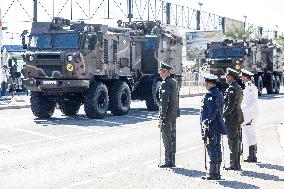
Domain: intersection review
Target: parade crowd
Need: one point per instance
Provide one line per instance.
(233, 113)
(10, 78)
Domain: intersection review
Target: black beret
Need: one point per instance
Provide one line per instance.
(165, 66)
(232, 72)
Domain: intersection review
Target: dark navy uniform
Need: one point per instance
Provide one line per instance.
(168, 115)
(233, 119)
(212, 118)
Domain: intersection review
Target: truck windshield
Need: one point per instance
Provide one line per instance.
(234, 52)
(217, 53)
(41, 41)
(66, 40)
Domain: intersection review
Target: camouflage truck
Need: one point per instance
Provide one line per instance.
(103, 68)
(261, 57)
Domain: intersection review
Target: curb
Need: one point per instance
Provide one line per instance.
(191, 95)
(5, 107)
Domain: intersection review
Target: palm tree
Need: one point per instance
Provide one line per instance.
(239, 33)
(280, 41)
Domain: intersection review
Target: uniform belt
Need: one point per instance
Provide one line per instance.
(249, 122)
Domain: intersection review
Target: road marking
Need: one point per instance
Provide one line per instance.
(104, 121)
(127, 168)
(135, 117)
(149, 162)
(81, 128)
(6, 147)
(189, 149)
(28, 142)
(37, 133)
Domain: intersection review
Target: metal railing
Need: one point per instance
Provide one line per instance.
(191, 84)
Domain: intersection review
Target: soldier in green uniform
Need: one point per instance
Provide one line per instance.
(233, 116)
(168, 114)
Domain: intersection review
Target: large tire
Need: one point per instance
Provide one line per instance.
(96, 101)
(69, 107)
(271, 84)
(153, 101)
(259, 85)
(41, 106)
(120, 98)
(277, 84)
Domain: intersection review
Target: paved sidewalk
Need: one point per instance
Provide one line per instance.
(14, 102)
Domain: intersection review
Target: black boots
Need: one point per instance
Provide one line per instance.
(167, 165)
(214, 172)
(169, 160)
(234, 166)
(252, 154)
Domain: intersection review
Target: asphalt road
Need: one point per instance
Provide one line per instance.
(123, 151)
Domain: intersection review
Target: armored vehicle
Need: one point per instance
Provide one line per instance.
(261, 57)
(103, 68)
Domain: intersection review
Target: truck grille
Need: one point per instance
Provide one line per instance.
(54, 71)
(48, 57)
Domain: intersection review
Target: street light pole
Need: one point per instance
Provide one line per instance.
(199, 60)
(0, 44)
(245, 23)
(200, 5)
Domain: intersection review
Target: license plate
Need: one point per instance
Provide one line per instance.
(49, 82)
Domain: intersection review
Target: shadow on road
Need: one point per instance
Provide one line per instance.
(225, 183)
(270, 166)
(134, 116)
(187, 172)
(236, 184)
(271, 96)
(262, 176)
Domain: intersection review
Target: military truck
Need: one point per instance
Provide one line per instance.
(103, 68)
(261, 57)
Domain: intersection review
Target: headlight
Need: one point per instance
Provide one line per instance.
(237, 66)
(69, 58)
(31, 58)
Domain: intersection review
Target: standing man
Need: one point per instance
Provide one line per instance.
(168, 114)
(158, 28)
(250, 110)
(119, 23)
(212, 125)
(5, 76)
(233, 116)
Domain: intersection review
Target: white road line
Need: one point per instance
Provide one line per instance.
(189, 149)
(127, 168)
(28, 142)
(81, 128)
(6, 147)
(37, 133)
(104, 121)
(149, 162)
(135, 117)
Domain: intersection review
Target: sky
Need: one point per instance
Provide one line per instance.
(259, 12)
